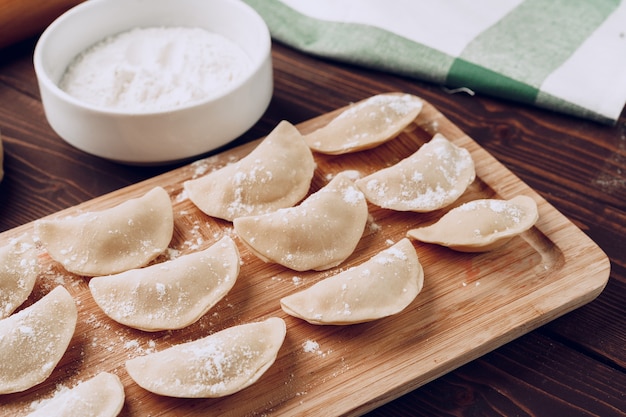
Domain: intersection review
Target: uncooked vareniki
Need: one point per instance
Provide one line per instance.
(366, 124)
(276, 174)
(433, 177)
(480, 225)
(382, 286)
(33, 340)
(101, 396)
(318, 234)
(19, 269)
(214, 366)
(169, 295)
(123, 237)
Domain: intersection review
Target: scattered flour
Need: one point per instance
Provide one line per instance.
(310, 346)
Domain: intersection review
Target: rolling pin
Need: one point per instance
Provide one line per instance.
(22, 19)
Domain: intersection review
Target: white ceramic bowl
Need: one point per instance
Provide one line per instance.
(149, 138)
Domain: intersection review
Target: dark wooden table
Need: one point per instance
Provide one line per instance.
(573, 366)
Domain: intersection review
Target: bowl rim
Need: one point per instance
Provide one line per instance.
(44, 77)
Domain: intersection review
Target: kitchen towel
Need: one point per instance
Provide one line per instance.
(564, 55)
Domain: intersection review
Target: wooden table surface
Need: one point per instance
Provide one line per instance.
(573, 366)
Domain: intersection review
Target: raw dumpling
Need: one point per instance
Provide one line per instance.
(318, 234)
(172, 294)
(480, 225)
(18, 272)
(101, 396)
(384, 285)
(276, 174)
(214, 366)
(33, 341)
(366, 124)
(432, 178)
(127, 236)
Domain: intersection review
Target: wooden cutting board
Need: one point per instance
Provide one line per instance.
(470, 304)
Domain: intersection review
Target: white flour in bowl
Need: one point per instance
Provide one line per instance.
(155, 69)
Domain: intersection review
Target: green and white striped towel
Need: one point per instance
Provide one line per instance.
(564, 55)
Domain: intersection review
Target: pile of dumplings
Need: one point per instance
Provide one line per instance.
(267, 197)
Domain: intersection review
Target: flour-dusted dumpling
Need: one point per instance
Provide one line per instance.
(123, 237)
(19, 269)
(214, 366)
(169, 295)
(33, 340)
(382, 286)
(276, 174)
(432, 178)
(101, 396)
(480, 225)
(366, 124)
(318, 234)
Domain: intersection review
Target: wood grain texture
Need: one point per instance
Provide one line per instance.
(506, 383)
(470, 305)
(21, 19)
(577, 166)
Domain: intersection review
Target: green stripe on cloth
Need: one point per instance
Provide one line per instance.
(472, 76)
(358, 44)
(513, 57)
(534, 53)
